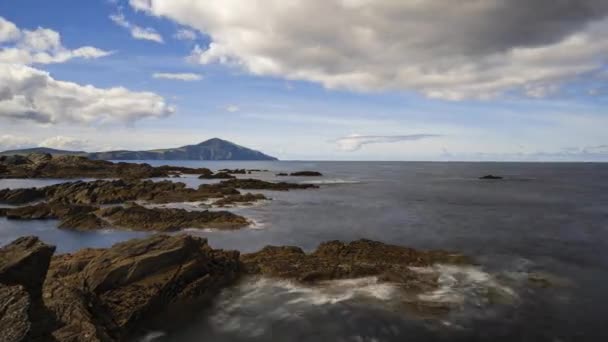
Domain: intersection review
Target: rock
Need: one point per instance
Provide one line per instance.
(282, 174)
(256, 184)
(337, 260)
(25, 262)
(21, 196)
(38, 165)
(219, 175)
(490, 177)
(23, 267)
(137, 217)
(146, 283)
(15, 321)
(234, 171)
(307, 173)
(247, 198)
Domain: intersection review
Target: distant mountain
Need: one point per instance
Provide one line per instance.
(53, 151)
(212, 149)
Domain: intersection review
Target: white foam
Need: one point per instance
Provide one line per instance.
(459, 284)
(152, 336)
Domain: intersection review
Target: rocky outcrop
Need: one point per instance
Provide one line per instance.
(39, 165)
(256, 184)
(23, 268)
(133, 217)
(246, 199)
(337, 260)
(136, 217)
(306, 174)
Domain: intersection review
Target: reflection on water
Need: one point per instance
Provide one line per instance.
(542, 219)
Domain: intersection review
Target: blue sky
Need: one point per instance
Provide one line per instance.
(336, 102)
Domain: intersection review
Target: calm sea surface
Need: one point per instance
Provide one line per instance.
(547, 220)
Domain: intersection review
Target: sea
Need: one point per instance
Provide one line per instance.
(539, 239)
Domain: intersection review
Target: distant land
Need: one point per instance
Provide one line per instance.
(212, 149)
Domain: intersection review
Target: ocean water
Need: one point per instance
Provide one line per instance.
(544, 220)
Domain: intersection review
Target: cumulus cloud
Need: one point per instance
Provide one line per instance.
(355, 142)
(443, 49)
(42, 46)
(178, 76)
(10, 142)
(185, 34)
(137, 32)
(64, 143)
(31, 94)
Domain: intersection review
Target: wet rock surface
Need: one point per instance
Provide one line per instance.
(39, 165)
(111, 294)
(132, 216)
(491, 177)
(337, 260)
(256, 184)
(245, 199)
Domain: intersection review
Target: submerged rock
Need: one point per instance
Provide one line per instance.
(490, 177)
(256, 184)
(246, 199)
(306, 173)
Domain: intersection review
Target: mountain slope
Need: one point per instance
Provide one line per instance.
(212, 149)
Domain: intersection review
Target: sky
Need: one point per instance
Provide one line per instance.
(497, 80)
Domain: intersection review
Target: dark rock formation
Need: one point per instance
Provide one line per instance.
(234, 171)
(337, 260)
(282, 174)
(23, 268)
(137, 217)
(73, 166)
(246, 199)
(256, 184)
(133, 216)
(490, 177)
(306, 173)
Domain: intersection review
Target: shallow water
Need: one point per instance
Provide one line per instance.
(543, 218)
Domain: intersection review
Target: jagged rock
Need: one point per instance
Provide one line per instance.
(282, 174)
(117, 292)
(137, 217)
(23, 268)
(247, 198)
(307, 173)
(21, 196)
(337, 260)
(40, 165)
(234, 171)
(256, 184)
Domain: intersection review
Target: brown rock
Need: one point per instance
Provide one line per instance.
(306, 174)
(256, 184)
(247, 198)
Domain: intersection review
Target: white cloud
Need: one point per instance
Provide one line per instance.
(185, 34)
(42, 46)
(31, 94)
(11, 142)
(472, 49)
(137, 32)
(232, 108)
(354, 142)
(65, 143)
(178, 76)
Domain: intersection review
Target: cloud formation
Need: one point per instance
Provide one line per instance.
(39, 46)
(137, 32)
(443, 49)
(64, 143)
(177, 76)
(33, 95)
(354, 142)
(232, 108)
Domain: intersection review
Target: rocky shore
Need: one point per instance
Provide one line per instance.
(39, 165)
(121, 292)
